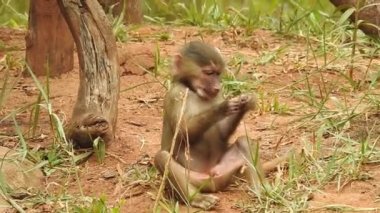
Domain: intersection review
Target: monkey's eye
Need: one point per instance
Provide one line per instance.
(208, 71)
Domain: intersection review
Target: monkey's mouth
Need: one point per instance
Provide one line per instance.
(205, 95)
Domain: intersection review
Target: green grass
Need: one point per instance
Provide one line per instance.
(13, 13)
(332, 92)
(97, 206)
(325, 110)
(8, 63)
(59, 157)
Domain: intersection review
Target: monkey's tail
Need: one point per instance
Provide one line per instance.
(272, 165)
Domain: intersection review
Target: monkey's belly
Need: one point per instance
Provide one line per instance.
(200, 161)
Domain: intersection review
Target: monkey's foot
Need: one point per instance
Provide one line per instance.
(204, 201)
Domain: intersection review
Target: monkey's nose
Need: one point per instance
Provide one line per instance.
(215, 90)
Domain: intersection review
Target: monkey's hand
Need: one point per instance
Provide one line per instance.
(241, 103)
(248, 102)
(234, 105)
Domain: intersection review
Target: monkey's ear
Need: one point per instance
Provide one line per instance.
(177, 63)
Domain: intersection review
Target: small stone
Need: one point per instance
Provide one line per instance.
(19, 174)
(108, 174)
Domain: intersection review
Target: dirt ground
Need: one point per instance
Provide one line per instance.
(140, 114)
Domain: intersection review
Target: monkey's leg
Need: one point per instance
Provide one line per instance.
(238, 155)
(227, 167)
(188, 184)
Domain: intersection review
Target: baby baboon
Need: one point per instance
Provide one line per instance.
(203, 160)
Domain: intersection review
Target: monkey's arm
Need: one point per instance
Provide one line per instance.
(196, 125)
(228, 125)
(197, 118)
(192, 126)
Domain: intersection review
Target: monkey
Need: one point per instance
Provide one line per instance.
(203, 161)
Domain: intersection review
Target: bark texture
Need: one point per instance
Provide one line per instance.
(133, 12)
(95, 111)
(49, 44)
(370, 14)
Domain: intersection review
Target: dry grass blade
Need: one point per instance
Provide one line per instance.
(166, 171)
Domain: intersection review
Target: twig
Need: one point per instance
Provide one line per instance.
(116, 157)
(12, 202)
(128, 194)
(166, 171)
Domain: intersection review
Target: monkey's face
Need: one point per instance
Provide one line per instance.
(207, 84)
(199, 67)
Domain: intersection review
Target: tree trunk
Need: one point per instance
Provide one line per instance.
(95, 111)
(133, 12)
(133, 9)
(49, 44)
(370, 14)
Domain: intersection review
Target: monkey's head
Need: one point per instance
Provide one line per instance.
(198, 66)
